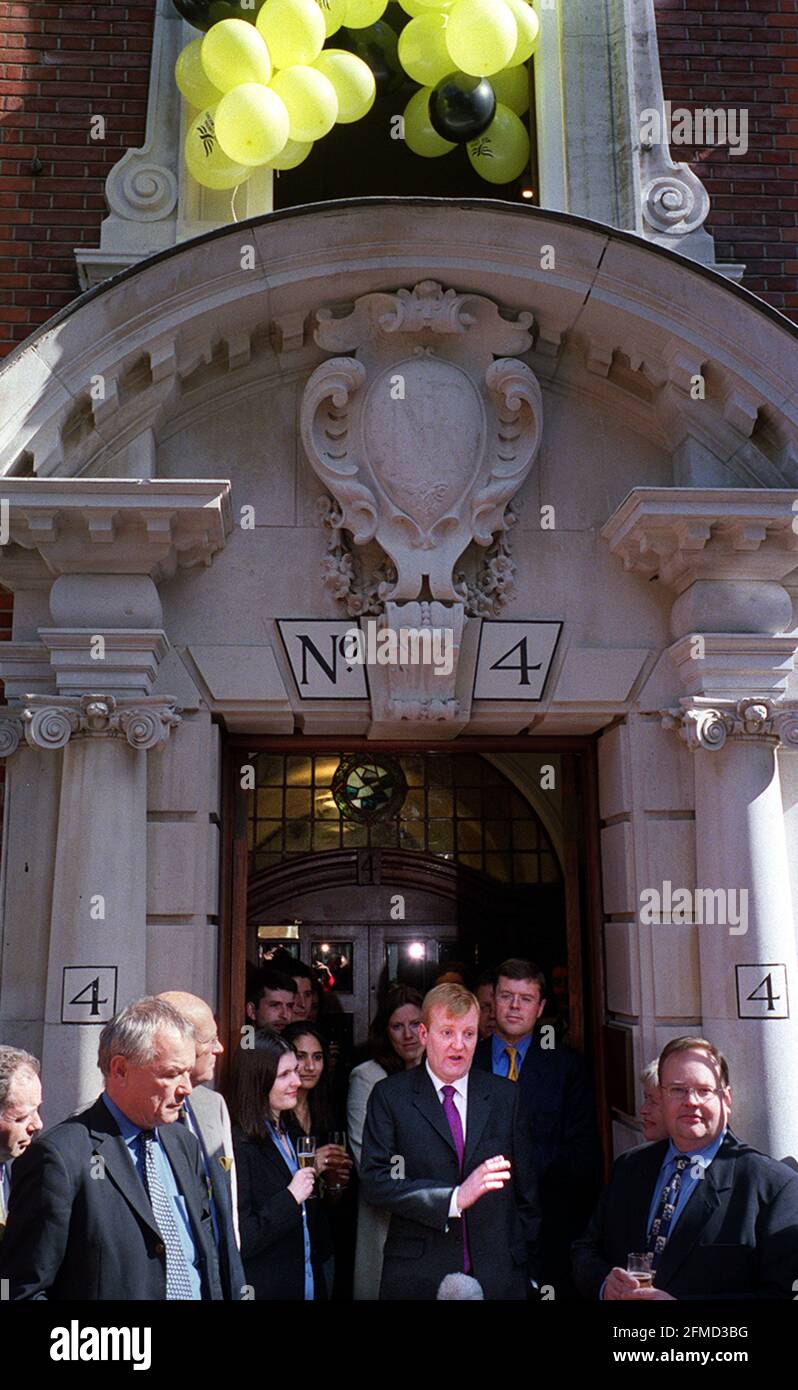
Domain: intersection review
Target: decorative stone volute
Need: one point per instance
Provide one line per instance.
(422, 437)
(50, 721)
(708, 724)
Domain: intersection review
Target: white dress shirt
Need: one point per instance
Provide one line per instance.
(460, 1099)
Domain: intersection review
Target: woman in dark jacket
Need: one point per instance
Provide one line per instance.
(285, 1239)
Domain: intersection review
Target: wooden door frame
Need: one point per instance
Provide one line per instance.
(582, 878)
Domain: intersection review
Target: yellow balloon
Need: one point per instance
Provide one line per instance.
(310, 100)
(419, 134)
(291, 155)
(501, 153)
(251, 124)
(205, 158)
(512, 88)
(422, 49)
(353, 81)
(294, 31)
(415, 8)
(361, 13)
(191, 80)
(528, 26)
(481, 36)
(333, 12)
(234, 52)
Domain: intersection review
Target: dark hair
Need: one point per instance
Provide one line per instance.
(453, 967)
(254, 1073)
(298, 970)
(379, 1038)
(488, 977)
(516, 969)
(320, 1104)
(268, 978)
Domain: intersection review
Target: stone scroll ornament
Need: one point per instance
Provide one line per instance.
(145, 722)
(425, 435)
(708, 724)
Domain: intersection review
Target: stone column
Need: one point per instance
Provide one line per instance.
(749, 967)
(725, 554)
(97, 954)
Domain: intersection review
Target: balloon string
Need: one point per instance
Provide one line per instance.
(233, 203)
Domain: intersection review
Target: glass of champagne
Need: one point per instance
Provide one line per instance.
(640, 1266)
(306, 1151)
(332, 1176)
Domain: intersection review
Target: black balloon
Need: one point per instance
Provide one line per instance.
(377, 46)
(203, 13)
(461, 107)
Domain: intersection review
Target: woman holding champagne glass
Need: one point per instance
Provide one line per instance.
(285, 1239)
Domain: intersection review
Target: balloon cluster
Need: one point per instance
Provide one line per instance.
(266, 87)
(265, 92)
(480, 103)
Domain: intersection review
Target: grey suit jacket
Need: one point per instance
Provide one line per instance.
(213, 1120)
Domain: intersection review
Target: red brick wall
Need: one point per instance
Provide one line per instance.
(60, 64)
(743, 53)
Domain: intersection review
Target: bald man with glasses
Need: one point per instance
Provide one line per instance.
(717, 1219)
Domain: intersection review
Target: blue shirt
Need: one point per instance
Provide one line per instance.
(130, 1133)
(692, 1175)
(500, 1062)
(292, 1164)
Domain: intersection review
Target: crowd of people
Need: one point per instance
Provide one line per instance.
(459, 1160)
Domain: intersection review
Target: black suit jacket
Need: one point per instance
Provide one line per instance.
(737, 1238)
(231, 1270)
(409, 1167)
(554, 1088)
(270, 1222)
(80, 1223)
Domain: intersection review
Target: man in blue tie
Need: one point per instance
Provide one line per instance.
(716, 1218)
(113, 1203)
(20, 1098)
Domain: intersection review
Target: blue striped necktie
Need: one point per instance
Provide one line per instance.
(178, 1283)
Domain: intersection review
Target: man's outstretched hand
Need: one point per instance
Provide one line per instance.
(490, 1176)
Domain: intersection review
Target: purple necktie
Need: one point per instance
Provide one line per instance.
(456, 1126)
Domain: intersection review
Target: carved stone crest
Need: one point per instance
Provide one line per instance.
(422, 437)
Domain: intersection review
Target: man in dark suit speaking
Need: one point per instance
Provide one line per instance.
(718, 1219)
(446, 1152)
(112, 1203)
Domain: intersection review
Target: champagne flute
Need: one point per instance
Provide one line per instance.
(331, 1177)
(306, 1151)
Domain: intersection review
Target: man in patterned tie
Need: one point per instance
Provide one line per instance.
(113, 1203)
(447, 1152)
(20, 1098)
(718, 1219)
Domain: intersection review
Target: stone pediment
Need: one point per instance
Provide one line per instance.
(426, 433)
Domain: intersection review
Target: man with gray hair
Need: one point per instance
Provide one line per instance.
(112, 1203)
(20, 1098)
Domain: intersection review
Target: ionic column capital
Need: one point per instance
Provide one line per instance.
(51, 721)
(709, 723)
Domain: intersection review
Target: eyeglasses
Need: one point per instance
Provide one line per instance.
(683, 1093)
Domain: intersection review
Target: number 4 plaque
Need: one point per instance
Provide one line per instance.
(762, 991)
(88, 993)
(514, 659)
